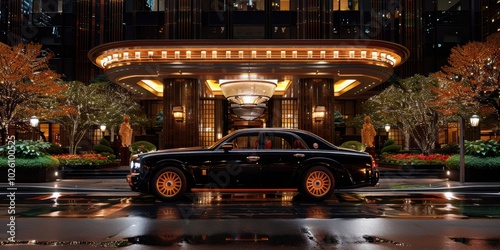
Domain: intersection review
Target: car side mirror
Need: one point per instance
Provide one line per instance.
(227, 146)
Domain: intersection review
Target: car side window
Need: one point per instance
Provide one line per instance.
(278, 141)
(246, 142)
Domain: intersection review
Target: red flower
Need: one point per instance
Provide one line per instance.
(417, 159)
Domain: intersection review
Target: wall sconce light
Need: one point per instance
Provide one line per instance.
(319, 113)
(178, 112)
(474, 120)
(387, 127)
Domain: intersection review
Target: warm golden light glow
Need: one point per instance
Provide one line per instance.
(248, 91)
(178, 113)
(281, 87)
(153, 86)
(342, 86)
(122, 62)
(318, 113)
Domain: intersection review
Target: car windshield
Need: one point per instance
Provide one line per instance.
(216, 144)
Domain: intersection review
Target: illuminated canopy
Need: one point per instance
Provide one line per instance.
(355, 65)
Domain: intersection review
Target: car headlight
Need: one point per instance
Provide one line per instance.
(135, 162)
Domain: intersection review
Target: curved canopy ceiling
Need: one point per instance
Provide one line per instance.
(355, 65)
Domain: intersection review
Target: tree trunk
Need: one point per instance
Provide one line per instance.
(3, 134)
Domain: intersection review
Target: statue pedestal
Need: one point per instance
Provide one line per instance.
(125, 156)
(371, 151)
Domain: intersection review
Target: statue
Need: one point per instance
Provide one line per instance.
(368, 133)
(126, 132)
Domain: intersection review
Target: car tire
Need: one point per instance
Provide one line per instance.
(169, 184)
(318, 183)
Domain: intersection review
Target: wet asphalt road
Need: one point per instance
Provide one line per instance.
(374, 220)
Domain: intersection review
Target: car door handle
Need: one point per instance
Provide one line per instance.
(253, 158)
(299, 155)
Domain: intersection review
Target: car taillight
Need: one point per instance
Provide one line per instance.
(374, 164)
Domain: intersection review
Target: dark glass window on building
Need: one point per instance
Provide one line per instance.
(248, 5)
(145, 5)
(43, 6)
(283, 5)
(345, 5)
(451, 5)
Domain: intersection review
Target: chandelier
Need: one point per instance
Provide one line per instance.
(248, 93)
(248, 113)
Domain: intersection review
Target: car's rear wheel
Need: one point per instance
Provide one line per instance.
(169, 184)
(318, 183)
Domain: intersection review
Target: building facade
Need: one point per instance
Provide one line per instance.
(71, 29)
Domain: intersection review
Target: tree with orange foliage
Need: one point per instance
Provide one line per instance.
(471, 81)
(26, 83)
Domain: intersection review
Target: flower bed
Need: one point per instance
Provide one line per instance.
(416, 159)
(86, 160)
(414, 165)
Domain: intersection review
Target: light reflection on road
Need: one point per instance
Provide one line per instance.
(265, 221)
(286, 205)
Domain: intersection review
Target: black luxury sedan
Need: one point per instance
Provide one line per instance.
(254, 160)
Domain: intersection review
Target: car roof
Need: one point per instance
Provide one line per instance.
(273, 129)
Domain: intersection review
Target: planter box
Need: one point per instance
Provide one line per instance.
(32, 175)
(395, 170)
(81, 167)
(476, 175)
(110, 170)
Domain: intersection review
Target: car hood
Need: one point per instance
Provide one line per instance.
(173, 150)
(351, 150)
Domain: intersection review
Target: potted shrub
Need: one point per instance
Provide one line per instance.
(482, 162)
(29, 160)
(142, 147)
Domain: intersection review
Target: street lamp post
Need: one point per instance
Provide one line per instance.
(103, 128)
(34, 123)
(462, 145)
(474, 122)
(387, 128)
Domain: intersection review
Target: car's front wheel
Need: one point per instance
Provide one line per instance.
(169, 184)
(318, 183)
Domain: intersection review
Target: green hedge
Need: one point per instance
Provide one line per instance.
(45, 161)
(388, 142)
(142, 147)
(448, 149)
(101, 148)
(474, 162)
(55, 149)
(391, 149)
(104, 142)
(356, 145)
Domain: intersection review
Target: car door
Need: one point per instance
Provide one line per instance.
(238, 167)
(281, 161)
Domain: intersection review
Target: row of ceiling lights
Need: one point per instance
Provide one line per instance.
(282, 54)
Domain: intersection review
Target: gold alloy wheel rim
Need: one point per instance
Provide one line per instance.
(169, 184)
(318, 183)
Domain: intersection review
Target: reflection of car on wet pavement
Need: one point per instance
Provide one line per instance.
(254, 160)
